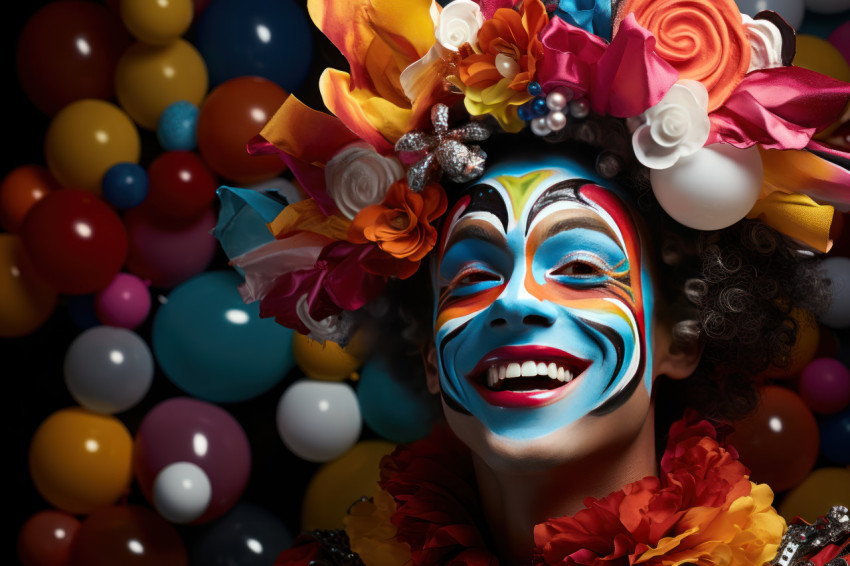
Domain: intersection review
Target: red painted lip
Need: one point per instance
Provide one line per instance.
(525, 399)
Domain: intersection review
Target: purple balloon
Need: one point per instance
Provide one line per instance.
(183, 429)
(840, 38)
(125, 302)
(825, 385)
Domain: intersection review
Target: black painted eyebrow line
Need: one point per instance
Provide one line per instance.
(580, 222)
(563, 190)
(474, 231)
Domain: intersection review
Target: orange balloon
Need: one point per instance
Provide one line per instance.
(80, 460)
(26, 300)
(804, 349)
(233, 113)
(779, 441)
(21, 188)
(149, 78)
(85, 139)
(814, 497)
(327, 362)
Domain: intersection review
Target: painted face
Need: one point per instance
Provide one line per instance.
(544, 302)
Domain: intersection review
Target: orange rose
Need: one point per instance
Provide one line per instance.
(401, 224)
(704, 40)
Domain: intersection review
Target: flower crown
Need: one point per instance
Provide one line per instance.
(707, 95)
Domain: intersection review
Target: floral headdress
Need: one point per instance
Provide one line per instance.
(697, 86)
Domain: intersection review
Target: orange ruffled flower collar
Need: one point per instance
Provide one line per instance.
(702, 509)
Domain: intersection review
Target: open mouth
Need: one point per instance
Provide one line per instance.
(525, 375)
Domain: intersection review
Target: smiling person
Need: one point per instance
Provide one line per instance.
(588, 230)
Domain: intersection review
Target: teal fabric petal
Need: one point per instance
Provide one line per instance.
(590, 15)
(243, 216)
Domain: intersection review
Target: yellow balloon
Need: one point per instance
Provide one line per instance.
(157, 22)
(149, 78)
(816, 494)
(80, 460)
(85, 139)
(817, 54)
(26, 300)
(328, 361)
(338, 484)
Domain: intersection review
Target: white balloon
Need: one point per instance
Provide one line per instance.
(319, 420)
(182, 492)
(711, 189)
(837, 269)
(827, 6)
(108, 369)
(792, 11)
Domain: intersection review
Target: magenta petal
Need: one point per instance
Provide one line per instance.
(569, 56)
(347, 283)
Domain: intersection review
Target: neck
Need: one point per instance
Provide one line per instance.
(516, 500)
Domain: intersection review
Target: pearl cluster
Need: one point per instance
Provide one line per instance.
(547, 114)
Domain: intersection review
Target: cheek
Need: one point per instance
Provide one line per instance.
(450, 308)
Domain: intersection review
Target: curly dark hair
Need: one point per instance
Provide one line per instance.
(738, 295)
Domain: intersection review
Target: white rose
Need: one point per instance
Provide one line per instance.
(676, 127)
(334, 328)
(358, 176)
(765, 43)
(459, 23)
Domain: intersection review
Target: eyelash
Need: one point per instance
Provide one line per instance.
(591, 270)
(473, 275)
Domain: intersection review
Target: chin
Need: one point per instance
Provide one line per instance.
(588, 439)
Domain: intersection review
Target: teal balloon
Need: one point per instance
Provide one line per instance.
(215, 347)
(391, 408)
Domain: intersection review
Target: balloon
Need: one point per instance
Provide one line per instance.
(181, 429)
(247, 535)
(837, 269)
(157, 23)
(792, 11)
(803, 349)
(835, 437)
(125, 185)
(75, 241)
(125, 302)
(816, 495)
(129, 534)
(337, 485)
(212, 345)
(80, 460)
(825, 385)
(780, 423)
(21, 188)
(318, 421)
(327, 361)
(266, 38)
(45, 538)
(167, 255)
(827, 6)
(392, 409)
(711, 189)
(182, 492)
(233, 113)
(840, 39)
(177, 127)
(108, 369)
(68, 51)
(26, 299)
(181, 185)
(817, 54)
(85, 139)
(150, 77)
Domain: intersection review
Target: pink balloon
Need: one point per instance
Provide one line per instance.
(167, 254)
(126, 302)
(840, 38)
(825, 385)
(183, 429)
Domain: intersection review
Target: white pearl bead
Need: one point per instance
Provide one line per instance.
(556, 101)
(539, 127)
(507, 66)
(580, 108)
(556, 121)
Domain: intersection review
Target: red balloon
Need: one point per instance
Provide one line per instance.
(180, 185)
(46, 537)
(780, 441)
(68, 50)
(130, 535)
(22, 187)
(75, 241)
(233, 113)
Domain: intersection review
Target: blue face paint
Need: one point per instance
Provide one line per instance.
(544, 302)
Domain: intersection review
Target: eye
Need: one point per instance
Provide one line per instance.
(471, 278)
(579, 268)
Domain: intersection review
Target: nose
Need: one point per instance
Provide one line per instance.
(514, 312)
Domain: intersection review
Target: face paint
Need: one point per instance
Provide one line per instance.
(543, 301)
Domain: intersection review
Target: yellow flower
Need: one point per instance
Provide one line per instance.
(372, 534)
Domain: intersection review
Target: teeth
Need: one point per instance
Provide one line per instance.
(530, 368)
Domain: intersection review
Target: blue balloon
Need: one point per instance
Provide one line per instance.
(125, 185)
(177, 128)
(213, 346)
(265, 38)
(835, 437)
(390, 407)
